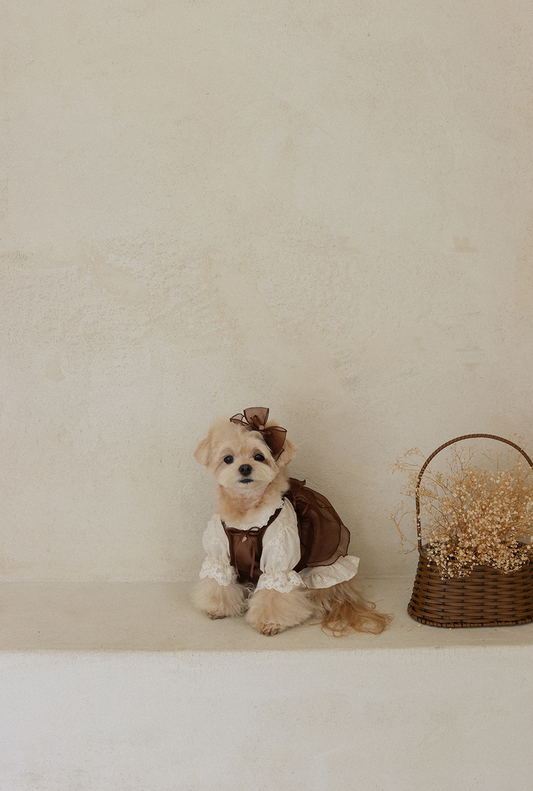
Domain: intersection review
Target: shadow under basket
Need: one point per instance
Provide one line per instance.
(486, 597)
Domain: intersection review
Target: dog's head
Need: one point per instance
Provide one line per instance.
(240, 458)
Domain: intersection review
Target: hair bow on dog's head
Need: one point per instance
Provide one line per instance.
(254, 419)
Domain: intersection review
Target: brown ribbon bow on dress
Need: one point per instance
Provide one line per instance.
(255, 419)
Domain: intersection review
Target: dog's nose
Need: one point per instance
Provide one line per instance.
(245, 470)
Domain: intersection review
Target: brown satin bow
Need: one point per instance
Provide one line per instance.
(254, 419)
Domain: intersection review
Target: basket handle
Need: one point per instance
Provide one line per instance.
(451, 442)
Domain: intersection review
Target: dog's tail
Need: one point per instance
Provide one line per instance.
(344, 610)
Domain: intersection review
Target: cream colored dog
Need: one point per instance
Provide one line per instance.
(249, 456)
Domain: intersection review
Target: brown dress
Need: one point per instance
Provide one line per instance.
(323, 536)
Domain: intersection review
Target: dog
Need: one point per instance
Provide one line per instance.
(253, 544)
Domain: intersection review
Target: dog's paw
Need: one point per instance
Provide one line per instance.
(219, 601)
(271, 612)
(271, 629)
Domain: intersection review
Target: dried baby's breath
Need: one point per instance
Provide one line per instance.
(471, 515)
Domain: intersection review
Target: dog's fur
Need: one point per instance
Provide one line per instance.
(340, 608)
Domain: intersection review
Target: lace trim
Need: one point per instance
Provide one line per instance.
(282, 581)
(221, 572)
(277, 548)
(248, 525)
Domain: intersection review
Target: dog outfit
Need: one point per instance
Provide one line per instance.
(285, 550)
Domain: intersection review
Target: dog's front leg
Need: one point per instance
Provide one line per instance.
(270, 611)
(219, 601)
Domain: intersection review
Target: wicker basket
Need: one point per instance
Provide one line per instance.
(487, 597)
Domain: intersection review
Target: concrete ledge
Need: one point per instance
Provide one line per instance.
(124, 687)
(158, 616)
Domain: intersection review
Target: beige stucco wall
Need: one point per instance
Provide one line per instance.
(322, 207)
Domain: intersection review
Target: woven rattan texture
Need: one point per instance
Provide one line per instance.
(487, 597)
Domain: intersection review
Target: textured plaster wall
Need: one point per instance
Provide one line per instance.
(321, 206)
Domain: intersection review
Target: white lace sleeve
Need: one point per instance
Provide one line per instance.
(217, 563)
(281, 552)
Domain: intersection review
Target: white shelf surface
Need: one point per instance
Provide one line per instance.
(119, 686)
(158, 616)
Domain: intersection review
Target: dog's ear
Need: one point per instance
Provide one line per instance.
(203, 451)
(289, 452)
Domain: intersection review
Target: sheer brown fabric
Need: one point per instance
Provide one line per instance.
(323, 536)
(255, 419)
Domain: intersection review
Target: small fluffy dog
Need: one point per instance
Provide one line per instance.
(257, 564)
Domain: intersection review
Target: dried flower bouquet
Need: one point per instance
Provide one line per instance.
(470, 515)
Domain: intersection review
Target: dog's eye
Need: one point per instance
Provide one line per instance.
(259, 457)
(228, 459)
